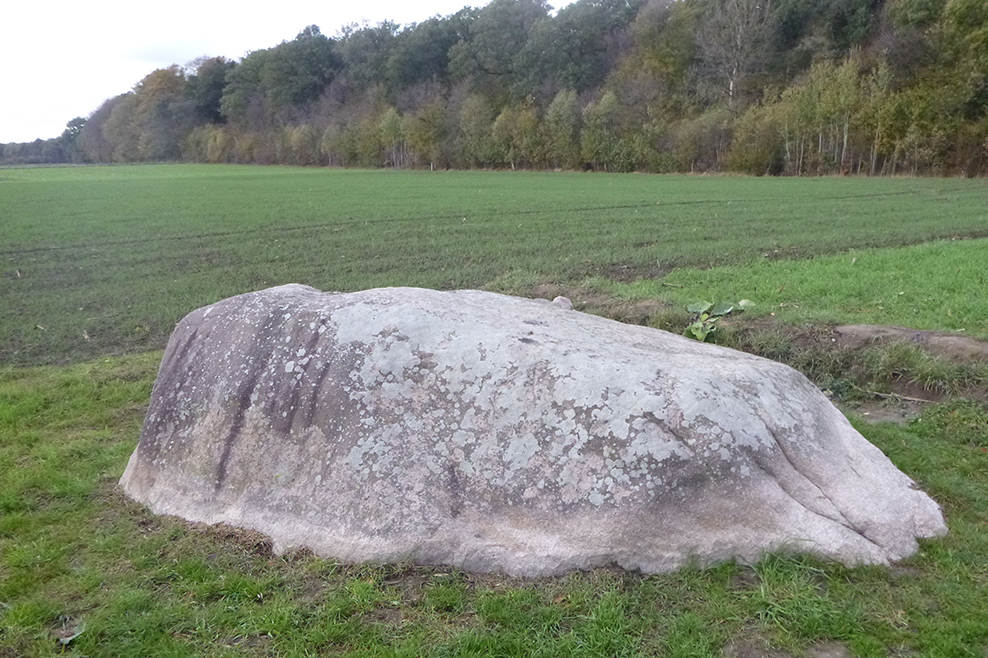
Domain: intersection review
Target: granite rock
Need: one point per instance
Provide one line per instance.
(494, 433)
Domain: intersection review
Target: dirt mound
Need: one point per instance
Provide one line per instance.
(886, 385)
(952, 347)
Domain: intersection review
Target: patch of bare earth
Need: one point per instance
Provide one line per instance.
(890, 410)
(754, 646)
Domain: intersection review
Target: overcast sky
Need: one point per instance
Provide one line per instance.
(60, 60)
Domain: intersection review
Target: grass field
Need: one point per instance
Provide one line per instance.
(98, 264)
(76, 556)
(936, 285)
(104, 260)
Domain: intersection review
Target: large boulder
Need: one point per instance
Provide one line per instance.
(494, 433)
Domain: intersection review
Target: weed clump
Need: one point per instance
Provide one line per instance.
(907, 362)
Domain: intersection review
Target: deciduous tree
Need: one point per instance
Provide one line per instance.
(204, 87)
(735, 43)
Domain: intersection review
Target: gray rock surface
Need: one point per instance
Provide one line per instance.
(502, 434)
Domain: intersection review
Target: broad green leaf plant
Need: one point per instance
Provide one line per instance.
(707, 314)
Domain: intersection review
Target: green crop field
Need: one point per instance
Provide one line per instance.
(101, 260)
(98, 263)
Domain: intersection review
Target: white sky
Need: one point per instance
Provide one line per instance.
(60, 60)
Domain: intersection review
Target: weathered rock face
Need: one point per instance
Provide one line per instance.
(503, 434)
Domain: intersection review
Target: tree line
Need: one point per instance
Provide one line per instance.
(795, 87)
